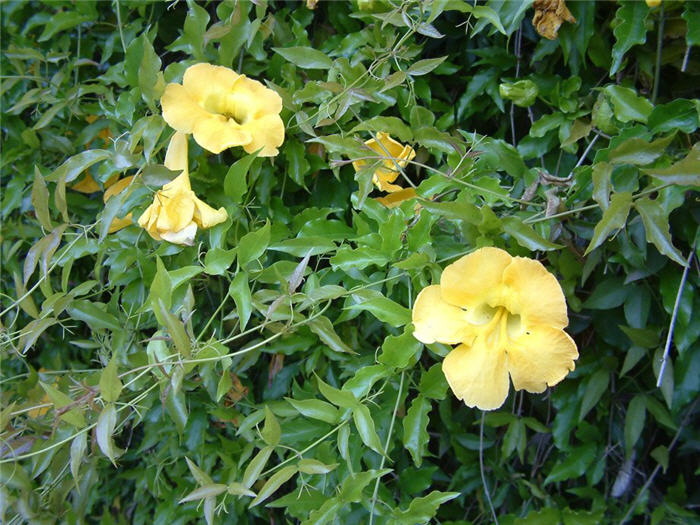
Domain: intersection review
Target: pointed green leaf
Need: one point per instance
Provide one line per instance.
(415, 429)
(614, 218)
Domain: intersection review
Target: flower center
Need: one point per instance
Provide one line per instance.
(496, 326)
(232, 107)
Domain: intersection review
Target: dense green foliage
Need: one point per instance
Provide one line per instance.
(268, 373)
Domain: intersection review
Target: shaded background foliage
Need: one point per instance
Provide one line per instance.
(146, 382)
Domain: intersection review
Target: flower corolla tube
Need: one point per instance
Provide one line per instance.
(176, 212)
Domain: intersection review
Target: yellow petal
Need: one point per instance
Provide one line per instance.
(267, 133)
(207, 83)
(176, 212)
(206, 216)
(216, 133)
(176, 155)
(250, 99)
(148, 220)
(475, 278)
(180, 109)
(437, 321)
(392, 200)
(534, 293)
(541, 356)
(184, 236)
(477, 375)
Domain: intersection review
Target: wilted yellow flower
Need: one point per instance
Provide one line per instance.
(392, 200)
(223, 109)
(176, 211)
(507, 315)
(394, 153)
(88, 184)
(116, 189)
(549, 16)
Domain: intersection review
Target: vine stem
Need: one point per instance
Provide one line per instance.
(659, 47)
(481, 467)
(386, 449)
(674, 314)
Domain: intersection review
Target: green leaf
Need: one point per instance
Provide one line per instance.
(609, 293)
(522, 93)
(93, 315)
(361, 383)
(224, 385)
(316, 409)
(40, 200)
(201, 477)
(104, 430)
(252, 245)
(271, 432)
(77, 452)
(74, 416)
(297, 165)
(77, 164)
(313, 466)
(237, 489)
(62, 21)
(657, 229)
(680, 114)
(386, 310)
(271, 485)
(365, 427)
(175, 328)
(602, 171)
(150, 77)
(630, 30)
(400, 351)
(433, 384)
(305, 57)
(347, 258)
(240, 291)
(691, 15)
(256, 466)
(339, 398)
(392, 125)
(211, 490)
(415, 429)
(217, 260)
(634, 422)
(627, 105)
(614, 218)
(685, 172)
(423, 509)
(323, 328)
(325, 513)
(574, 465)
(352, 487)
(638, 151)
(235, 185)
(110, 384)
(595, 388)
(423, 67)
(526, 236)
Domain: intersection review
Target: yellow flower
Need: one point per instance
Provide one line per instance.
(223, 109)
(653, 3)
(549, 16)
(394, 153)
(116, 189)
(176, 211)
(507, 315)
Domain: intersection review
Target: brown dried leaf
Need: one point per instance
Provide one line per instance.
(549, 15)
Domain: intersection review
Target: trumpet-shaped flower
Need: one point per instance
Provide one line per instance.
(176, 211)
(223, 109)
(507, 315)
(392, 154)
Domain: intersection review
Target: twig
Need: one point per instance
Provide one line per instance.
(658, 467)
(672, 325)
(481, 468)
(386, 450)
